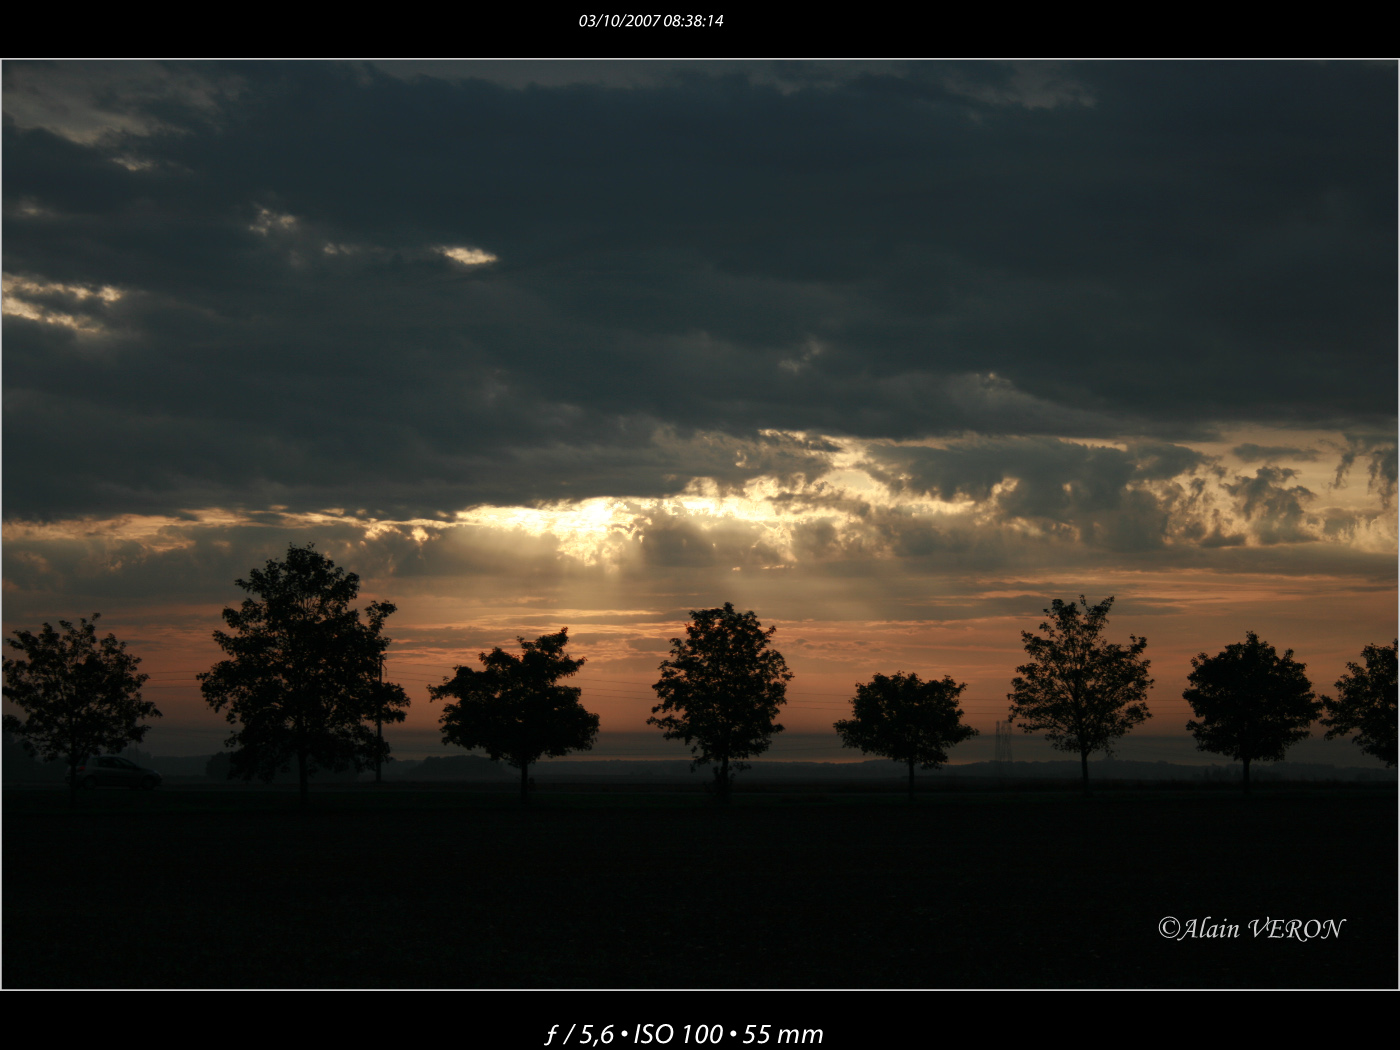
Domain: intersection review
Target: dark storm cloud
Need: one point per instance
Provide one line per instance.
(1250, 452)
(1379, 454)
(1275, 510)
(671, 264)
(1100, 492)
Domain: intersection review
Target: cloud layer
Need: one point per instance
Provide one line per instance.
(319, 285)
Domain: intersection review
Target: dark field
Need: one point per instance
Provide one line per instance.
(802, 887)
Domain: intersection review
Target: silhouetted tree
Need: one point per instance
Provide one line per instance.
(906, 719)
(82, 694)
(387, 701)
(1081, 691)
(1366, 703)
(514, 709)
(1249, 702)
(302, 669)
(723, 685)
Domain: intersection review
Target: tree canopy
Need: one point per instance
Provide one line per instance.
(1081, 691)
(301, 678)
(1250, 703)
(81, 693)
(1365, 703)
(907, 720)
(721, 689)
(514, 709)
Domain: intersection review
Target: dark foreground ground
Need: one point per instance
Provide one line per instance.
(802, 888)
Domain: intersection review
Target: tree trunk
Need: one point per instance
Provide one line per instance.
(72, 780)
(724, 781)
(301, 775)
(379, 724)
(379, 749)
(1084, 768)
(1246, 776)
(911, 780)
(524, 782)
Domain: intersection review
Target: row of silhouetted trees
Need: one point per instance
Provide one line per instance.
(303, 686)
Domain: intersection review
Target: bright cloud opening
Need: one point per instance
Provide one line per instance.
(467, 256)
(269, 222)
(38, 300)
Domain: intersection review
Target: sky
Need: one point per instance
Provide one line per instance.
(891, 353)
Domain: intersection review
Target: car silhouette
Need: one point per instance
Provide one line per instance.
(115, 771)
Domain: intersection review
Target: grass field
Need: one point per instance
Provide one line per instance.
(797, 888)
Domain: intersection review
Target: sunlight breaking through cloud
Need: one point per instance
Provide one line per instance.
(467, 256)
(40, 300)
(917, 503)
(269, 222)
